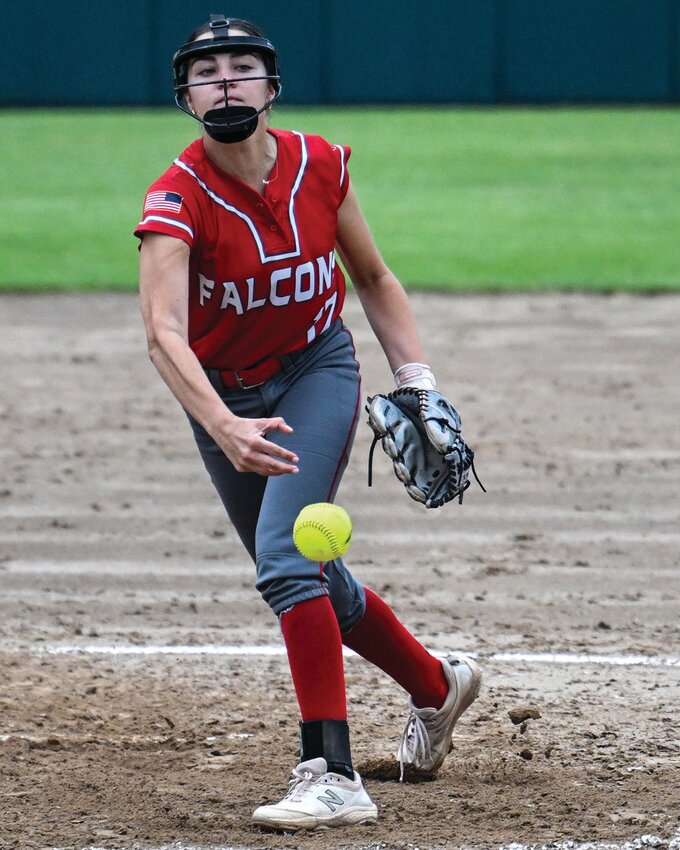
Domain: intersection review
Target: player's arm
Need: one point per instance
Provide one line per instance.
(382, 296)
(164, 276)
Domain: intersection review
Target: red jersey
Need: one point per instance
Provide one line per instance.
(263, 280)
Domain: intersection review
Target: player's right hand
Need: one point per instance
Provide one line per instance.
(245, 443)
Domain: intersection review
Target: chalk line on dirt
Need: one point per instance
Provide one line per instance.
(268, 650)
(642, 842)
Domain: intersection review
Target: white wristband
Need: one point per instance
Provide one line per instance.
(417, 375)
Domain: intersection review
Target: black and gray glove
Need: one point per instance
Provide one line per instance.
(420, 431)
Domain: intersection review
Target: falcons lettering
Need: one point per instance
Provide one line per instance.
(293, 283)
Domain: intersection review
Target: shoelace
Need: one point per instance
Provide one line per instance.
(415, 740)
(300, 782)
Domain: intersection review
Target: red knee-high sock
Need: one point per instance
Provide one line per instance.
(314, 645)
(380, 638)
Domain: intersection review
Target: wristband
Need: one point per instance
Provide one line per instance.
(417, 375)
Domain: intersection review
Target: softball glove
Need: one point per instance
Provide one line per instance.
(420, 431)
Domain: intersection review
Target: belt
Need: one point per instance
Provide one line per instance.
(251, 376)
(259, 373)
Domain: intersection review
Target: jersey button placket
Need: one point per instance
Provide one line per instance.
(276, 240)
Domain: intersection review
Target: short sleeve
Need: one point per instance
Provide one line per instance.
(167, 209)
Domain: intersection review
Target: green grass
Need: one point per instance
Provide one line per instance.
(457, 198)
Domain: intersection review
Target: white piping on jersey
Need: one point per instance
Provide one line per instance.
(264, 258)
(167, 221)
(342, 163)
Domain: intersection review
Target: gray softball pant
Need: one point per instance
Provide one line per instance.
(319, 396)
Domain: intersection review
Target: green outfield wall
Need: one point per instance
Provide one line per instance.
(78, 53)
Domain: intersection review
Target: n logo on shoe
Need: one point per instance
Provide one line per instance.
(331, 799)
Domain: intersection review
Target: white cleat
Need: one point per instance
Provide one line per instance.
(427, 736)
(317, 799)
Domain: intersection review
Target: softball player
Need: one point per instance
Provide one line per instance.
(242, 297)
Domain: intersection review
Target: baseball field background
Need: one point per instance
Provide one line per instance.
(459, 199)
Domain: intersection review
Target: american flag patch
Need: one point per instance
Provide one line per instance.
(167, 201)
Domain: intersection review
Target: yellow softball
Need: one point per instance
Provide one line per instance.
(322, 531)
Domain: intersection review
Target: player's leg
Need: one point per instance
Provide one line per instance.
(325, 790)
(439, 690)
(285, 577)
(382, 639)
(320, 400)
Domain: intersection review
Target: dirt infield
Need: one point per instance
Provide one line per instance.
(110, 535)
